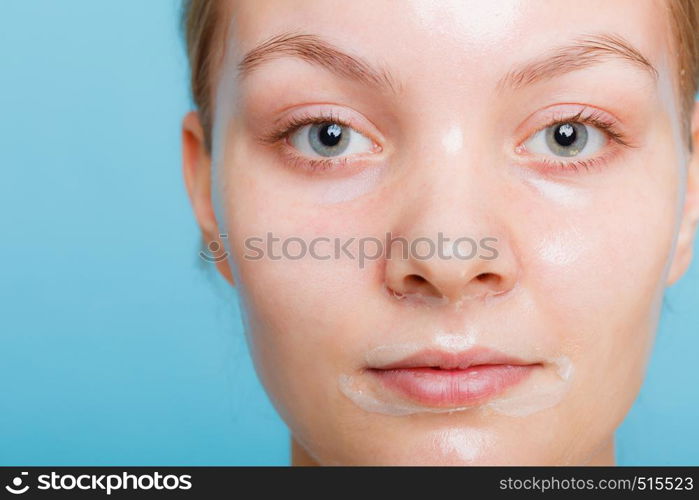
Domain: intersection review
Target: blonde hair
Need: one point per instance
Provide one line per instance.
(204, 32)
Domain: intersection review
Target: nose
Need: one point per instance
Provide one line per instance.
(452, 248)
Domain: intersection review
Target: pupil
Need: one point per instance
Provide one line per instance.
(330, 134)
(565, 135)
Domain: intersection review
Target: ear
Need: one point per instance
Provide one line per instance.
(690, 215)
(196, 166)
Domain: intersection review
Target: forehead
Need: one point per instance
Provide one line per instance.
(459, 34)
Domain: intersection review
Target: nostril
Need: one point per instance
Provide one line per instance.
(488, 278)
(419, 285)
(414, 279)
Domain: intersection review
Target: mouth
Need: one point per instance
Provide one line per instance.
(452, 379)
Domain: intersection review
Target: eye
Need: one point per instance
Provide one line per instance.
(329, 139)
(567, 139)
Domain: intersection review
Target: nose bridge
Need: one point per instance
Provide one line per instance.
(456, 185)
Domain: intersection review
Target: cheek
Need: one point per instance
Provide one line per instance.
(610, 257)
(304, 266)
(597, 271)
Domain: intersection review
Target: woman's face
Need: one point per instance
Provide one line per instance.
(531, 156)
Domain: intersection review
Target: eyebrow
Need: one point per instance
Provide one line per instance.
(585, 51)
(315, 50)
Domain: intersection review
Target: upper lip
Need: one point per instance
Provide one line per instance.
(448, 360)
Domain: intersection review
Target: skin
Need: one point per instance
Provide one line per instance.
(583, 255)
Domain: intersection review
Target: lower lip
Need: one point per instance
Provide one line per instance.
(457, 387)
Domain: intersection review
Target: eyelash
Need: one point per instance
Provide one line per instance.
(596, 119)
(313, 165)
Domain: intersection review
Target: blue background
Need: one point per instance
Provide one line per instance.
(116, 345)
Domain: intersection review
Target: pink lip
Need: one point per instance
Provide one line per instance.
(443, 379)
